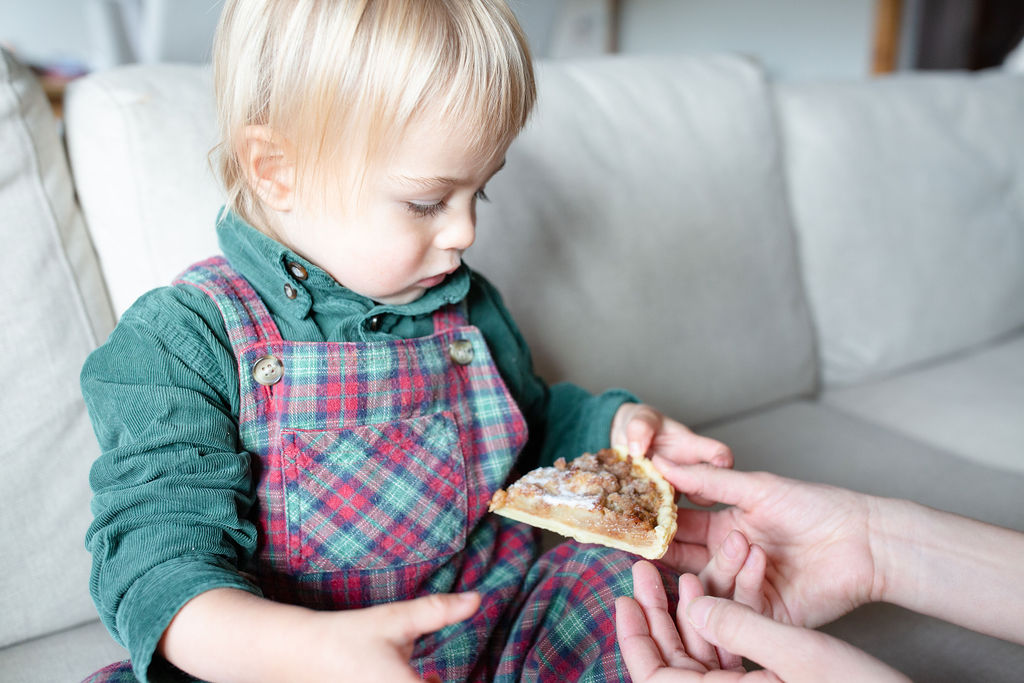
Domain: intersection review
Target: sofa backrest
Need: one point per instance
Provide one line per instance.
(138, 139)
(641, 237)
(639, 231)
(53, 311)
(908, 200)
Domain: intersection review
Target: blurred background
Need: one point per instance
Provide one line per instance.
(794, 39)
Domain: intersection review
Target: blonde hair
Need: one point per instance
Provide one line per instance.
(341, 79)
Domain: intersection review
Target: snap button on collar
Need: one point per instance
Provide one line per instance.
(290, 291)
(297, 270)
(461, 351)
(268, 370)
(374, 323)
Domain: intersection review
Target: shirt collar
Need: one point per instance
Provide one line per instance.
(276, 273)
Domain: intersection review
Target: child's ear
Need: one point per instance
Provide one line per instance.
(269, 161)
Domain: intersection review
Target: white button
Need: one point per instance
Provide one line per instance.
(461, 351)
(268, 370)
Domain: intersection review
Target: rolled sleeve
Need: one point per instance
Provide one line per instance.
(171, 488)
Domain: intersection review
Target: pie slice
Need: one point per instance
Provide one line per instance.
(608, 498)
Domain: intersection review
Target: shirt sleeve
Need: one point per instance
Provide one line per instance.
(171, 488)
(564, 419)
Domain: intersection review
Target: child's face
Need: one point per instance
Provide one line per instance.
(415, 215)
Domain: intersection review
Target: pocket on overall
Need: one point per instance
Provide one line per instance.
(375, 496)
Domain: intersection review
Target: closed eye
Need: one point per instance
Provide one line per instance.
(481, 195)
(426, 210)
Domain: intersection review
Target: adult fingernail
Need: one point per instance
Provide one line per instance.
(698, 610)
(471, 596)
(732, 545)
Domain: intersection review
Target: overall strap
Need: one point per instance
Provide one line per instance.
(245, 315)
(451, 316)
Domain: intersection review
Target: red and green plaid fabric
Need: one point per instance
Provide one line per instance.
(376, 462)
(376, 459)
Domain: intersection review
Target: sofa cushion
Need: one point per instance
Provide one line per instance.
(815, 442)
(908, 199)
(971, 405)
(138, 139)
(53, 312)
(69, 655)
(640, 235)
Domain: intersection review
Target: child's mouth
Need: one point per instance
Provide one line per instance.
(432, 281)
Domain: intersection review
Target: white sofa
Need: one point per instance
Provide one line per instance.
(829, 277)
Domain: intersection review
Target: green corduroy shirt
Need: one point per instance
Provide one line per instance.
(173, 486)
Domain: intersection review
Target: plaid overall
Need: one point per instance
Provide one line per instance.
(375, 465)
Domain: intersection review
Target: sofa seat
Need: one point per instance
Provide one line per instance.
(816, 441)
(971, 404)
(68, 655)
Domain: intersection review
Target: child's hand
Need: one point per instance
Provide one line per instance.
(227, 634)
(376, 643)
(640, 429)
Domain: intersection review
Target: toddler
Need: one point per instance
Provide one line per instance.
(300, 437)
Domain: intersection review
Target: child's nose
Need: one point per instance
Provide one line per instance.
(459, 232)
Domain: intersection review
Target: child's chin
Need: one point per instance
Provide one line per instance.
(406, 297)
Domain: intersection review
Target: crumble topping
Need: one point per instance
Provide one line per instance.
(600, 481)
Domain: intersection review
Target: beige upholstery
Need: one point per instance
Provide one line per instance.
(656, 228)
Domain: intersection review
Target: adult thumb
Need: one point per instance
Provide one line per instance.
(412, 618)
(794, 654)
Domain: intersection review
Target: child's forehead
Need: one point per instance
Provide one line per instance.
(435, 145)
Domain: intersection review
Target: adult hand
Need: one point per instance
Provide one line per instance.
(816, 540)
(658, 649)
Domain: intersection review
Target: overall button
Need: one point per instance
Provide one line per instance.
(290, 291)
(461, 351)
(297, 270)
(268, 370)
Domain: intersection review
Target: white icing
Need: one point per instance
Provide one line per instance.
(544, 476)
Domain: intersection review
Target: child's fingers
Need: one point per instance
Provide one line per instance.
(699, 649)
(643, 424)
(719, 576)
(409, 619)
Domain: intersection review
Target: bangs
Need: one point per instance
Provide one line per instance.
(342, 81)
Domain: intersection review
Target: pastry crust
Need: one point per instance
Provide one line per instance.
(607, 498)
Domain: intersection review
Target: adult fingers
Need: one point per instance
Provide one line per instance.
(795, 654)
(692, 526)
(409, 619)
(750, 586)
(721, 485)
(700, 649)
(719, 575)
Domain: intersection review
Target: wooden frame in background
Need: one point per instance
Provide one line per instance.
(886, 47)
